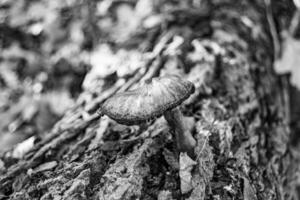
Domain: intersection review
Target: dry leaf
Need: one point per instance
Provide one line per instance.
(165, 195)
(249, 192)
(185, 172)
(297, 4)
(290, 60)
(22, 148)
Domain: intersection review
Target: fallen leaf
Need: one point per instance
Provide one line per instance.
(297, 3)
(165, 195)
(22, 148)
(249, 192)
(290, 60)
(186, 167)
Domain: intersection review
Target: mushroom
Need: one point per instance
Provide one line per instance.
(156, 97)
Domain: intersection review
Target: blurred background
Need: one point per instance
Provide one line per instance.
(52, 51)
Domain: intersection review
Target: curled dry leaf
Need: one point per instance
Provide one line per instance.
(185, 172)
(290, 60)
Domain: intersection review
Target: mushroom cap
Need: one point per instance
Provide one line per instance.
(149, 101)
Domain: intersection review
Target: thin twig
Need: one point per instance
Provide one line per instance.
(294, 23)
(273, 30)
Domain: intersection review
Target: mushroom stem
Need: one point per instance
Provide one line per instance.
(184, 140)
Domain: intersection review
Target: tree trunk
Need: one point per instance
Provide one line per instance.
(239, 109)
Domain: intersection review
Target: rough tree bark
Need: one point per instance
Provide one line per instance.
(239, 109)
